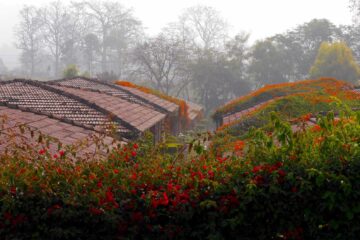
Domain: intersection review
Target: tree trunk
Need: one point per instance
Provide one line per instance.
(103, 52)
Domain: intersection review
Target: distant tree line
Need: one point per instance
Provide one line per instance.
(194, 57)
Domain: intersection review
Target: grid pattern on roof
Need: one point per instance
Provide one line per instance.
(129, 94)
(64, 132)
(138, 116)
(35, 98)
(88, 84)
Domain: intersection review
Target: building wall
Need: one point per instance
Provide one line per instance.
(157, 130)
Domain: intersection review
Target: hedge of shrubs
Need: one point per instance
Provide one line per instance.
(275, 185)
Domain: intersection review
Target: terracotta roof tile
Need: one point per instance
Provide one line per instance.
(63, 132)
(169, 106)
(36, 98)
(132, 113)
(194, 110)
(96, 85)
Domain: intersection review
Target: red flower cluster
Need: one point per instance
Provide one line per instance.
(239, 145)
(269, 168)
(316, 128)
(42, 151)
(159, 200)
(228, 202)
(262, 171)
(95, 211)
(108, 201)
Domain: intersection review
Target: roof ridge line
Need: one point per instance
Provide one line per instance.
(79, 99)
(128, 92)
(111, 85)
(88, 89)
(91, 105)
(99, 92)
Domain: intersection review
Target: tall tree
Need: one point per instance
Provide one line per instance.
(107, 16)
(309, 37)
(162, 61)
(205, 25)
(350, 34)
(212, 80)
(268, 63)
(3, 68)
(237, 54)
(121, 41)
(57, 29)
(203, 32)
(355, 8)
(335, 60)
(29, 37)
(90, 46)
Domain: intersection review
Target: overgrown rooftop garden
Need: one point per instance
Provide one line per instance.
(290, 101)
(323, 87)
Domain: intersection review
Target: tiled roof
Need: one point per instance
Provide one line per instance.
(140, 117)
(42, 99)
(169, 106)
(129, 94)
(194, 110)
(238, 115)
(64, 132)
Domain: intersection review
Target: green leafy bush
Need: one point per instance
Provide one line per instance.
(276, 184)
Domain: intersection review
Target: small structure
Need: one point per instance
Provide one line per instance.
(235, 111)
(73, 109)
(66, 133)
(195, 114)
(140, 115)
(171, 107)
(37, 103)
(182, 115)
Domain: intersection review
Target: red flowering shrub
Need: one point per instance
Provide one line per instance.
(281, 186)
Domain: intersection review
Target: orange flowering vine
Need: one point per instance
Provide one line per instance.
(183, 107)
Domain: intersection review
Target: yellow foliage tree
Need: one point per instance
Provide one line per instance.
(71, 71)
(335, 60)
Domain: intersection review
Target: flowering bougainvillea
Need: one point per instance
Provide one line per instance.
(269, 183)
(310, 88)
(275, 184)
(290, 100)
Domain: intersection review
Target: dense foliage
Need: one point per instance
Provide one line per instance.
(335, 60)
(71, 71)
(329, 86)
(277, 184)
(290, 101)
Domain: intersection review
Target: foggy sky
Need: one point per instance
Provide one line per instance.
(262, 18)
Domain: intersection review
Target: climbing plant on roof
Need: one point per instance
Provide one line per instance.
(183, 107)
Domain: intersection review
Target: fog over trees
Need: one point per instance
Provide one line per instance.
(194, 57)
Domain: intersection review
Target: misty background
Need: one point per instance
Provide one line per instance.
(205, 51)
